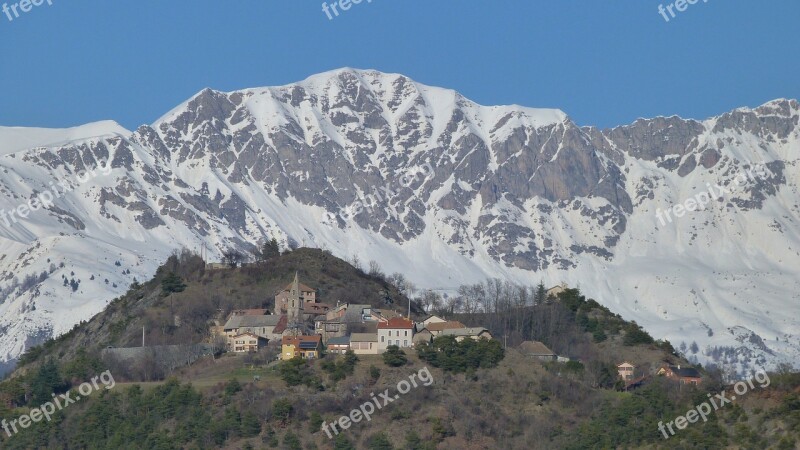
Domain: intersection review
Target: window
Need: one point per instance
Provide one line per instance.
(382, 338)
(406, 333)
(405, 343)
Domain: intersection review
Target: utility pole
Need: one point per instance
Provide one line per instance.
(142, 336)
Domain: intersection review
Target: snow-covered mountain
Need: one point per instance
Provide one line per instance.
(428, 183)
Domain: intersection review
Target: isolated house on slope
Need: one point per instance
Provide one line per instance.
(625, 370)
(538, 350)
(683, 375)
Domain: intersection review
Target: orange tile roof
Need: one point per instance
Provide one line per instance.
(396, 322)
(296, 340)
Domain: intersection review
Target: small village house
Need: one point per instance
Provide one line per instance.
(683, 375)
(431, 319)
(436, 328)
(341, 320)
(555, 290)
(422, 336)
(537, 350)
(397, 331)
(626, 370)
(338, 345)
(260, 325)
(364, 343)
(246, 343)
(306, 347)
(474, 333)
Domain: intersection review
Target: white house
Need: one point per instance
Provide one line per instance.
(397, 331)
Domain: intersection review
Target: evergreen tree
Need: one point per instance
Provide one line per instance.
(541, 294)
(46, 382)
(394, 357)
(172, 283)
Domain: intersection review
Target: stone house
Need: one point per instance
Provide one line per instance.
(422, 336)
(262, 326)
(307, 295)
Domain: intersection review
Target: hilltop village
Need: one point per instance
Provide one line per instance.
(305, 326)
(308, 328)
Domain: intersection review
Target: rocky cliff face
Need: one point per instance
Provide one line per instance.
(428, 183)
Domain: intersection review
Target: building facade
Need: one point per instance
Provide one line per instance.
(398, 331)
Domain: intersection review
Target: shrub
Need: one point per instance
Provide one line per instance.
(394, 357)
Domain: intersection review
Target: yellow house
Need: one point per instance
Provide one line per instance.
(307, 347)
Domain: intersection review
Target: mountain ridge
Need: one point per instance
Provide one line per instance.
(520, 194)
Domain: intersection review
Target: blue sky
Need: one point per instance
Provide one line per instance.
(604, 63)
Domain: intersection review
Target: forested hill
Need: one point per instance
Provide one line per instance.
(480, 395)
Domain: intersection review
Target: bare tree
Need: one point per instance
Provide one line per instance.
(375, 270)
(431, 301)
(232, 257)
(356, 262)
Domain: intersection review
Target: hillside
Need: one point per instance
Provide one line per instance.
(473, 400)
(185, 317)
(428, 183)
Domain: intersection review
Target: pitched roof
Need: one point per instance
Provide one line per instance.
(303, 342)
(475, 331)
(388, 313)
(397, 322)
(354, 313)
(303, 288)
(341, 340)
(535, 348)
(364, 337)
(441, 326)
(688, 372)
(283, 322)
(247, 334)
(250, 312)
(250, 321)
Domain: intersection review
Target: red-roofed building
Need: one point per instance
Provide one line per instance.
(308, 347)
(396, 331)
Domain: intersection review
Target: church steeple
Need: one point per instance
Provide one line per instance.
(294, 313)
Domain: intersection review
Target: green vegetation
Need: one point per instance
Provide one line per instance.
(297, 371)
(172, 283)
(340, 368)
(394, 357)
(451, 355)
